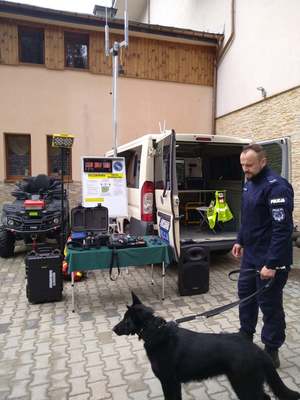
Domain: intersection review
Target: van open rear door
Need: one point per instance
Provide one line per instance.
(166, 192)
(277, 151)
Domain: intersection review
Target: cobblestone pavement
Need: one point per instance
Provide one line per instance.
(48, 352)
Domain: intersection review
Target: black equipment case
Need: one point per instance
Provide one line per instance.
(44, 275)
(93, 221)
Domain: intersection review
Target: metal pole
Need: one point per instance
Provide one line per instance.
(114, 95)
(115, 54)
(62, 234)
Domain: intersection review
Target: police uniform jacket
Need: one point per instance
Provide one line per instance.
(266, 220)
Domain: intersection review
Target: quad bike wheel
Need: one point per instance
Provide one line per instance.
(7, 243)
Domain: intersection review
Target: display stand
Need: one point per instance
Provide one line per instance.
(63, 141)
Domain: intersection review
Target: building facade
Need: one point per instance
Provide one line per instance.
(55, 77)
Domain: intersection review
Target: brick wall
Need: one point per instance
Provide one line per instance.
(275, 117)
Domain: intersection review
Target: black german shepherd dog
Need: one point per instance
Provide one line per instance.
(178, 355)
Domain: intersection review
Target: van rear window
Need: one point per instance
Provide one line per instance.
(224, 168)
(133, 164)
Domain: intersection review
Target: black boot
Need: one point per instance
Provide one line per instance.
(246, 335)
(273, 353)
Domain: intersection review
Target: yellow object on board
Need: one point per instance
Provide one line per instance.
(218, 210)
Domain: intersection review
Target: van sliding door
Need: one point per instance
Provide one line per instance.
(277, 151)
(166, 193)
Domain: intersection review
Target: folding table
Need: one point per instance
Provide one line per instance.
(156, 252)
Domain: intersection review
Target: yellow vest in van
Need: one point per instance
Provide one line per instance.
(221, 208)
(218, 210)
(211, 215)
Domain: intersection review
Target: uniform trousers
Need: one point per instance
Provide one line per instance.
(270, 302)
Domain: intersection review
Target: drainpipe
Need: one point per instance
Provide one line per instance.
(220, 56)
(231, 37)
(148, 11)
(214, 97)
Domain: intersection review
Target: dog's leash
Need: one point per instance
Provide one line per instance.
(219, 310)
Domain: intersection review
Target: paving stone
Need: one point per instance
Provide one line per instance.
(58, 394)
(93, 359)
(77, 370)
(59, 320)
(115, 378)
(78, 386)
(135, 383)
(99, 390)
(92, 346)
(154, 387)
(23, 372)
(59, 380)
(119, 393)
(4, 394)
(86, 316)
(19, 388)
(32, 324)
(28, 345)
(4, 327)
(105, 337)
(39, 377)
(39, 392)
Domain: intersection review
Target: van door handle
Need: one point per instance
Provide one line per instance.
(165, 190)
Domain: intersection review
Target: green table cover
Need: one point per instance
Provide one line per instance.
(154, 253)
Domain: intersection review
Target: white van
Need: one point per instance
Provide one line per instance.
(172, 178)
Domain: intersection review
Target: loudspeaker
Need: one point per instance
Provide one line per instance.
(193, 270)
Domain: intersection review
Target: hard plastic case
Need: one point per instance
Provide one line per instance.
(89, 219)
(44, 276)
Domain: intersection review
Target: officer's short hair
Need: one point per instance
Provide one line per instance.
(257, 148)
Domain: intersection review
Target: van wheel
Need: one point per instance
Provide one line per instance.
(7, 243)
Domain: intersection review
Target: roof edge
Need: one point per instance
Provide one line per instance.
(17, 9)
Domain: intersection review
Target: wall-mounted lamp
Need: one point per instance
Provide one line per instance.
(263, 91)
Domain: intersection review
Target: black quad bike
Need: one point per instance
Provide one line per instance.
(35, 215)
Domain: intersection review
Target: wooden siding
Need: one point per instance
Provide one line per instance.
(8, 43)
(99, 63)
(144, 59)
(54, 48)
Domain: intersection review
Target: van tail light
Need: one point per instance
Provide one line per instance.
(147, 197)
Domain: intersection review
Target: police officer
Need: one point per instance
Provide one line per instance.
(265, 244)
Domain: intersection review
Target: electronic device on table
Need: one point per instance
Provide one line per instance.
(120, 240)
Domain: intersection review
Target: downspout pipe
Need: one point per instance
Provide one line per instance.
(220, 56)
(148, 11)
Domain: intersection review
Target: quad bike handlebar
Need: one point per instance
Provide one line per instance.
(40, 185)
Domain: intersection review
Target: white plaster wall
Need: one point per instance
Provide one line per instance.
(265, 53)
(200, 15)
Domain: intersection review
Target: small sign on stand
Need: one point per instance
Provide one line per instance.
(63, 141)
(104, 181)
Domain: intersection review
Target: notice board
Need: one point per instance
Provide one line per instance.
(104, 181)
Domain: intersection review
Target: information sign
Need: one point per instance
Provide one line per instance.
(104, 181)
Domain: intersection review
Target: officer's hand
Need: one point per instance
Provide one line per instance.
(267, 273)
(237, 250)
